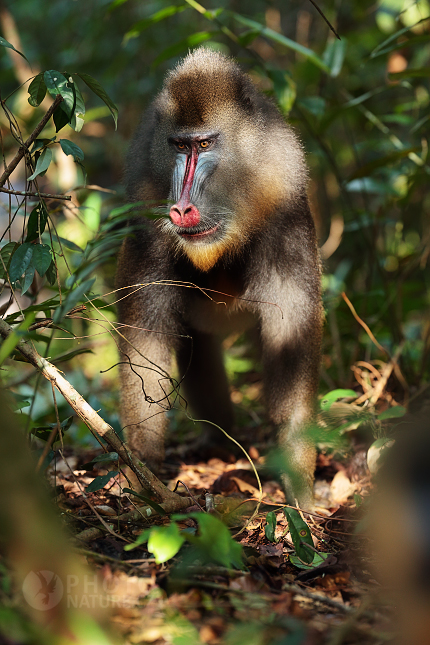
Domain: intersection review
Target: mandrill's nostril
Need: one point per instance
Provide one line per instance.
(187, 217)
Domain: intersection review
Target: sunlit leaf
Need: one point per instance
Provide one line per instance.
(329, 398)
(165, 541)
(140, 26)
(56, 83)
(300, 534)
(98, 89)
(42, 163)
(70, 148)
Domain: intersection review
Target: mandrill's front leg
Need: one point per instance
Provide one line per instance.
(145, 389)
(291, 359)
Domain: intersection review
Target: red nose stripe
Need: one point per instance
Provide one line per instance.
(184, 213)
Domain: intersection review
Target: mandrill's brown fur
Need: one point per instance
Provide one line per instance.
(241, 225)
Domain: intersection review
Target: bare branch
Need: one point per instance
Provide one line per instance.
(24, 148)
(26, 193)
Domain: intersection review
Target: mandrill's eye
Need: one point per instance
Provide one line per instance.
(181, 146)
(205, 143)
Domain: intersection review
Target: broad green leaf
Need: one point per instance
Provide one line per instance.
(70, 148)
(392, 413)
(56, 83)
(300, 533)
(20, 261)
(106, 456)
(100, 482)
(98, 89)
(42, 258)
(6, 255)
(61, 119)
(73, 298)
(42, 163)
(165, 541)
(9, 344)
(37, 90)
(51, 274)
(318, 559)
(214, 542)
(28, 278)
(285, 89)
(329, 398)
(16, 406)
(313, 104)
(78, 118)
(183, 45)
(140, 26)
(270, 526)
(36, 222)
(6, 43)
(334, 55)
(283, 40)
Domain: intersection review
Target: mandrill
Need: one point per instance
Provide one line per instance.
(239, 228)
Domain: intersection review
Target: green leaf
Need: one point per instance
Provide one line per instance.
(270, 526)
(36, 222)
(318, 559)
(56, 83)
(283, 40)
(156, 507)
(20, 261)
(67, 356)
(140, 26)
(328, 399)
(72, 299)
(384, 161)
(70, 245)
(42, 164)
(77, 121)
(300, 534)
(26, 281)
(381, 48)
(214, 542)
(334, 55)
(42, 258)
(9, 344)
(100, 482)
(70, 148)
(61, 119)
(285, 89)
(51, 274)
(6, 255)
(392, 413)
(106, 456)
(6, 43)
(143, 537)
(313, 104)
(165, 541)
(98, 89)
(417, 72)
(183, 45)
(37, 90)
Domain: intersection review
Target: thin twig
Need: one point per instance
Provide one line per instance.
(25, 146)
(26, 193)
(363, 324)
(326, 19)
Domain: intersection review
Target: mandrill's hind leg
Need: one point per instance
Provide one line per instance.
(206, 390)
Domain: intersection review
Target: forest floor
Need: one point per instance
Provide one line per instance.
(271, 601)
